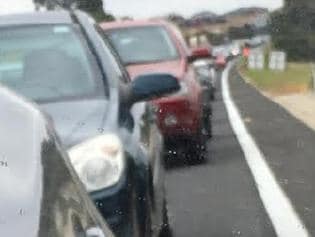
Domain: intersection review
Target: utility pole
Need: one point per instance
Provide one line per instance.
(313, 76)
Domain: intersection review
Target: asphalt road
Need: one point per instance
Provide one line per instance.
(219, 197)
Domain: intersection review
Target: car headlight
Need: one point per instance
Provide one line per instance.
(99, 162)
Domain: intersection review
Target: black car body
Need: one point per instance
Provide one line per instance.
(41, 195)
(133, 201)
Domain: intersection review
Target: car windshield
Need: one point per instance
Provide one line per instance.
(46, 62)
(143, 44)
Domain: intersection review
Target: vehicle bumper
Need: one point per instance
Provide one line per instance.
(178, 116)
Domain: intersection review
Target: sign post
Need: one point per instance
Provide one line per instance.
(277, 61)
(256, 60)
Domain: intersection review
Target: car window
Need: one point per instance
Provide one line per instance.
(143, 44)
(116, 61)
(47, 62)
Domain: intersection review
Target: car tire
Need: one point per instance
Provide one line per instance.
(212, 96)
(198, 146)
(207, 123)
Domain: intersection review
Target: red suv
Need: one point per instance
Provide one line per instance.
(158, 46)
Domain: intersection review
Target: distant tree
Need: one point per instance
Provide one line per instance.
(126, 18)
(216, 39)
(293, 29)
(49, 4)
(93, 7)
(247, 31)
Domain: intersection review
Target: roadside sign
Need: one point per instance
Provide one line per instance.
(277, 60)
(193, 41)
(256, 60)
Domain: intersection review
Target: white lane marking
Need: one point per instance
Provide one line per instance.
(284, 218)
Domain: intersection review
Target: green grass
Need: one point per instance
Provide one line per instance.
(296, 78)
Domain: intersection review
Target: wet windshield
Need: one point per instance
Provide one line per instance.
(143, 44)
(208, 128)
(46, 62)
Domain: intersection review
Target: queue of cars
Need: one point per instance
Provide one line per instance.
(93, 82)
(146, 46)
(115, 147)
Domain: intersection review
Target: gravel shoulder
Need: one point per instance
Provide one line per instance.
(301, 106)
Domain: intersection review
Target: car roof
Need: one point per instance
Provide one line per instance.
(36, 18)
(132, 23)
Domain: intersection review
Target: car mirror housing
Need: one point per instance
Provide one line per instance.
(152, 86)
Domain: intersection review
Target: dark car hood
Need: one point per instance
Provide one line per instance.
(76, 121)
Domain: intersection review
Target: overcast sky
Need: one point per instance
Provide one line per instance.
(149, 8)
(145, 8)
(12, 6)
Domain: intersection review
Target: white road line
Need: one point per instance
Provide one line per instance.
(284, 218)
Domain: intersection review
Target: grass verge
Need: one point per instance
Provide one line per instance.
(296, 78)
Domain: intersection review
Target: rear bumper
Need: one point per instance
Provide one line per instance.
(178, 116)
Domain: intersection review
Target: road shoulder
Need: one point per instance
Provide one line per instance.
(301, 106)
(286, 142)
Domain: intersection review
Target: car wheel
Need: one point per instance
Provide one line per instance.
(166, 230)
(198, 146)
(207, 123)
(212, 97)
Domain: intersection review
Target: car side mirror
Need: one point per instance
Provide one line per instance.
(152, 86)
(199, 53)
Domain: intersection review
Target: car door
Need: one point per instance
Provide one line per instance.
(146, 131)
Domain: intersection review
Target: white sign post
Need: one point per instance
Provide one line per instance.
(256, 60)
(277, 61)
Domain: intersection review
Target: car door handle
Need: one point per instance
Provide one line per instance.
(94, 232)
